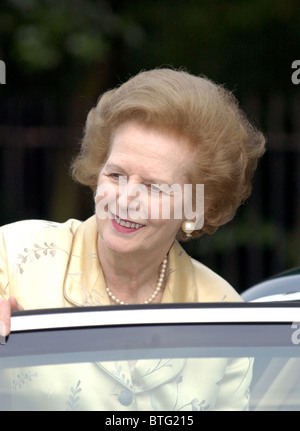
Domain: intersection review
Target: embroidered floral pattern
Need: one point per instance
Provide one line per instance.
(194, 404)
(74, 398)
(180, 392)
(160, 364)
(88, 298)
(3, 289)
(34, 253)
(197, 405)
(22, 378)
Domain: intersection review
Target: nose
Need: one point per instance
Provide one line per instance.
(132, 198)
(126, 191)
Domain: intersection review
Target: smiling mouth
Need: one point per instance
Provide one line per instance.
(127, 223)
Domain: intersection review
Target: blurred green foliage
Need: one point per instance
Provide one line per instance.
(248, 43)
(61, 40)
(57, 42)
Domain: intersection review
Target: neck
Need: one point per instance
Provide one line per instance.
(131, 277)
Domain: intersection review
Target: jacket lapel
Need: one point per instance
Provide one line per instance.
(181, 283)
(84, 282)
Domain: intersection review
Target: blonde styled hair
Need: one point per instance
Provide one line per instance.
(226, 147)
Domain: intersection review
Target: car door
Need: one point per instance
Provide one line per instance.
(180, 357)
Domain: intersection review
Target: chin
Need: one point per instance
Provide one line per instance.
(120, 245)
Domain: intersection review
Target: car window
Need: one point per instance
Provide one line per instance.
(186, 364)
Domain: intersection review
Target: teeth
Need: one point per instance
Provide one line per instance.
(127, 223)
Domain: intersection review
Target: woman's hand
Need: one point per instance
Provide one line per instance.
(6, 308)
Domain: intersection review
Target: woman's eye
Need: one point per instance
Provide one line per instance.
(115, 176)
(155, 188)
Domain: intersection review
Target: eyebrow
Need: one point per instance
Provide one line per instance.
(114, 167)
(119, 169)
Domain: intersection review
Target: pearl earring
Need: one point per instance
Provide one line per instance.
(188, 227)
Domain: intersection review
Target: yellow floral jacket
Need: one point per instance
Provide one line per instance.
(51, 265)
(47, 265)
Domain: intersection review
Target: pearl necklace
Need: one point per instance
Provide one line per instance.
(157, 289)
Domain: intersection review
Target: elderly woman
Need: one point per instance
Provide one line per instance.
(162, 127)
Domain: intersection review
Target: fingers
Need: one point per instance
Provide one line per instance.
(15, 306)
(5, 313)
(6, 308)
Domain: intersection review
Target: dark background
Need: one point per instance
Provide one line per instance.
(61, 55)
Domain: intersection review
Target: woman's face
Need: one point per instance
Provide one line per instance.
(133, 215)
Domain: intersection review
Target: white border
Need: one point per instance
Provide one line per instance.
(155, 316)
